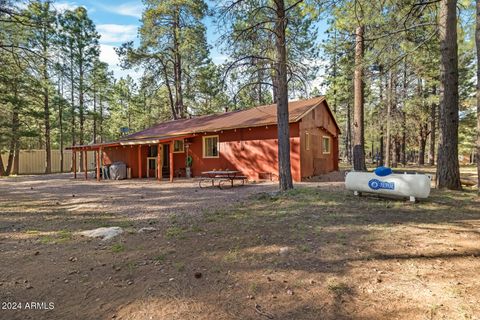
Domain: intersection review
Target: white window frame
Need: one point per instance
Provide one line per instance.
(203, 147)
(329, 144)
(183, 146)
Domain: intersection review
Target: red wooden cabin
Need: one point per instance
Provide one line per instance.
(243, 140)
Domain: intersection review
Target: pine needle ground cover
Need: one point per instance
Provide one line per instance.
(315, 252)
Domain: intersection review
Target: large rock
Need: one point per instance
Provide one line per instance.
(102, 233)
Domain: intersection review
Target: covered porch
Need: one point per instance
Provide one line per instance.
(144, 158)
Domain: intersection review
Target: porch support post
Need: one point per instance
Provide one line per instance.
(98, 163)
(159, 162)
(85, 164)
(139, 161)
(170, 154)
(74, 165)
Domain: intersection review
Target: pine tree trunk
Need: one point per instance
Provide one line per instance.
(100, 120)
(477, 41)
(380, 112)
(178, 67)
(388, 139)
(433, 128)
(2, 167)
(422, 143)
(259, 85)
(81, 108)
(274, 85)
(398, 150)
(14, 140)
(60, 120)
(169, 90)
(348, 138)
(348, 135)
(448, 171)
(404, 116)
(358, 123)
(46, 106)
(72, 102)
(14, 137)
(284, 169)
(48, 150)
(16, 158)
(334, 71)
(403, 158)
(94, 113)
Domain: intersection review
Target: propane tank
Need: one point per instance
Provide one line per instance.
(383, 181)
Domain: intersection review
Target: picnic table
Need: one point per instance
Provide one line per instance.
(220, 176)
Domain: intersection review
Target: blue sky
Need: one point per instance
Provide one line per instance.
(117, 21)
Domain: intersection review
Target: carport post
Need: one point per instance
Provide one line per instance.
(159, 162)
(170, 154)
(74, 166)
(139, 161)
(98, 163)
(85, 164)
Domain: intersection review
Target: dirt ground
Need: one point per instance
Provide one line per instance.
(316, 252)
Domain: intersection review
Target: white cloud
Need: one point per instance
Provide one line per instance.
(62, 6)
(129, 9)
(108, 55)
(117, 32)
(219, 58)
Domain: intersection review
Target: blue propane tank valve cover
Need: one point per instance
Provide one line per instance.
(383, 171)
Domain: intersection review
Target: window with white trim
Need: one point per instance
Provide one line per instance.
(178, 146)
(210, 147)
(326, 144)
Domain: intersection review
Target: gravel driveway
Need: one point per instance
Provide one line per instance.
(135, 199)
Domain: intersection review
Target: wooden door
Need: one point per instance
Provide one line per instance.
(152, 160)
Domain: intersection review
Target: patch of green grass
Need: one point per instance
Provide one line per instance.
(217, 232)
(59, 237)
(175, 232)
(131, 267)
(48, 239)
(304, 248)
(341, 235)
(173, 219)
(179, 266)
(231, 256)
(125, 224)
(32, 232)
(196, 228)
(339, 288)
(253, 288)
(266, 196)
(65, 235)
(117, 248)
(160, 257)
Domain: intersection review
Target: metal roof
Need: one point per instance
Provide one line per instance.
(254, 117)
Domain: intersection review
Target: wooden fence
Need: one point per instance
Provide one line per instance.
(33, 161)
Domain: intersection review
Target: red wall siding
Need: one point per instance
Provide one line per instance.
(252, 151)
(128, 155)
(318, 124)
